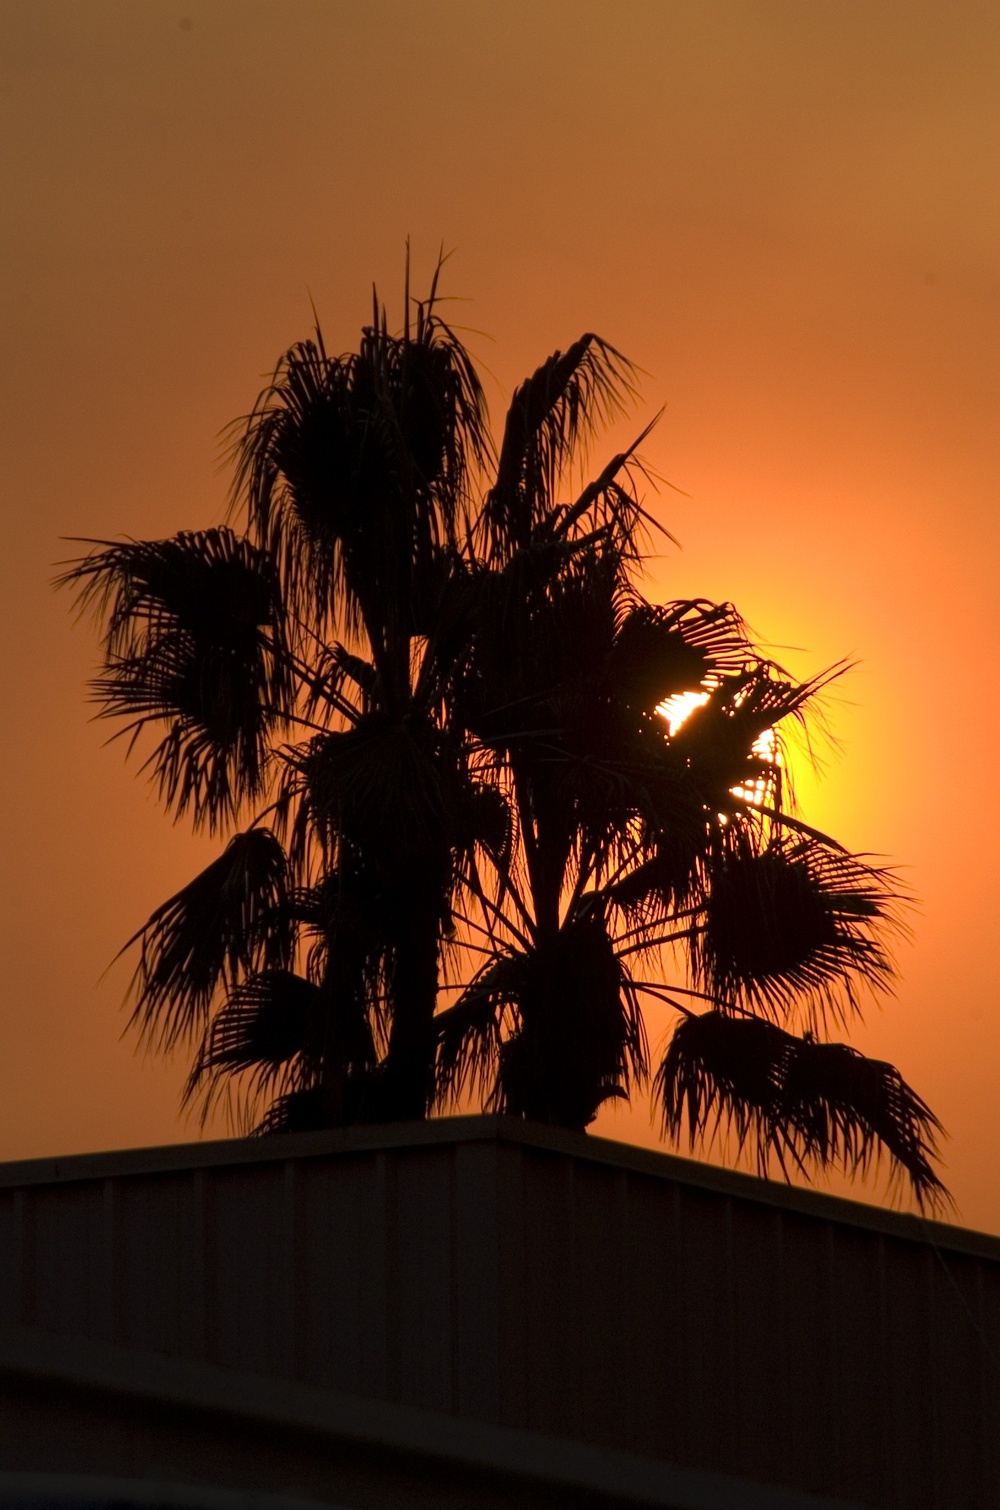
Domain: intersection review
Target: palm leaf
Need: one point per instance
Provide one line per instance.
(385, 786)
(348, 934)
(559, 406)
(218, 928)
(355, 469)
(660, 651)
(544, 623)
(265, 1022)
(797, 924)
(847, 1110)
(340, 682)
(718, 1069)
(719, 739)
(263, 1025)
(302, 1109)
(793, 1098)
(578, 1038)
(470, 1035)
(194, 638)
(666, 874)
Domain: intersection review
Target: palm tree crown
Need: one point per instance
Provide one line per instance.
(422, 691)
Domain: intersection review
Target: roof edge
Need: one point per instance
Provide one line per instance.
(178, 1158)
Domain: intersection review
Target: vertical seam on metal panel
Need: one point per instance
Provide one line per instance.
(24, 1299)
(199, 1265)
(932, 1379)
(625, 1271)
(289, 1349)
(569, 1163)
(882, 1398)
(835, 1464)
(984, 1387)
(454, 1394)
(496, 1281)
(530, 1345)
(515, 1341)
(387, 1324)
(734, 1443)
(781, 1332)
(681, 1306)
(450, 1256)
(109, 1247)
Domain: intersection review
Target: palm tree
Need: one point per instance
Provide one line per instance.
(632, 840)
(330, 618)
(477, 845)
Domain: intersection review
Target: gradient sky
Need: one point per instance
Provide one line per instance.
(786, 213)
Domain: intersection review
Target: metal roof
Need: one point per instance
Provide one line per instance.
(493, 1276)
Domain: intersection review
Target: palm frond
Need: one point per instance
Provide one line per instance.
(544, 623)
(295, 464)
(263, 1025)
(579, 1038)
(195, 638)
(334, 667)
(660, 651)
(815, 1104)
(348, 930)
(555, 410)
(848, 1109)
(265, 1021)
(668, 873)
(488, 823)
(356, 469)
(794, 926)
(470, 1037)
(229, 920)
(721, 1069)
(719, 740)
(301, 1109)
(384, 786)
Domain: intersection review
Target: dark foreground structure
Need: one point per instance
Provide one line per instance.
(482, 1313)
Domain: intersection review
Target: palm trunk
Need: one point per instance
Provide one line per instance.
(409, 1065)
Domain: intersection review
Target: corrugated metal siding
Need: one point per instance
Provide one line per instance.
(531, 1279)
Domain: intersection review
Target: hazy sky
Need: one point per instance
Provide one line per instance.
(785, 211)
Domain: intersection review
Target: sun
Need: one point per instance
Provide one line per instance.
(760, 790)
(678, 708)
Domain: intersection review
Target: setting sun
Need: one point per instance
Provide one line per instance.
(678, 708)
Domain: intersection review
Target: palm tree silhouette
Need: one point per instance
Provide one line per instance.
(475, 845)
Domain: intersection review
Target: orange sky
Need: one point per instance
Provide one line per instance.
(786, 213)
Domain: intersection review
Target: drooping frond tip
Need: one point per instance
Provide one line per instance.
(194, 639)
(795, 927)
(229, 921)
(807, 1104)
(262, 1027)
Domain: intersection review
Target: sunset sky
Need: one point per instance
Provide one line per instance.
(786, 212)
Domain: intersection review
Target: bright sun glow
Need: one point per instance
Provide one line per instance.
(761, 789)
(766, 747)
(678, 708)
